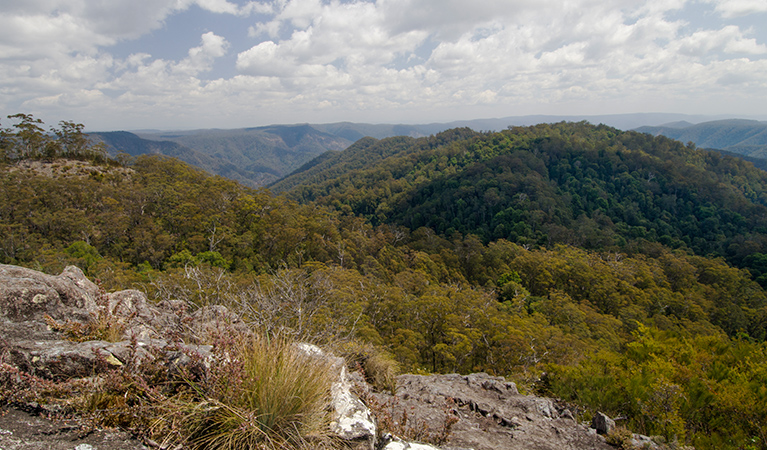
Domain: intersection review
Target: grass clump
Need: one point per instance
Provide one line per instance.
(378, 367)
(262, 393)
(101, 326)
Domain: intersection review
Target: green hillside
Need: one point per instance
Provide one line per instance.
(607, 316)
(363, 154)
(589, 186)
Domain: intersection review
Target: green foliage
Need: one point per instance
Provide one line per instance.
(377, 366)
(620, 438)
(184, 258)
(84, 255)
(509, 277)
(703, 389)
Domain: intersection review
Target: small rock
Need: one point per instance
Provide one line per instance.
(644, 442)
(602, 423)
(480, 407)
(545, 408)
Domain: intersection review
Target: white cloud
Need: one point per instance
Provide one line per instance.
(320, 60)
(227, 7)
(144, 76)
(739, 8)
(728, 40)
(37, 28)
(218, 6)
(201, 58)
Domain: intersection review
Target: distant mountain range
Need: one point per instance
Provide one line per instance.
(742, 137)
(261, 156)
(252, 156)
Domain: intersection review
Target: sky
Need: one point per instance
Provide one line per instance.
(185, 64)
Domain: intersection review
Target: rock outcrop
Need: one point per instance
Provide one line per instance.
(42, 318)
(63, 327)
(352, 419)
(491, 414)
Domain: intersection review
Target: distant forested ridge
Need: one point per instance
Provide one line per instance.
(534, 253)
(252, 156)
(573, 183)
(739, 136)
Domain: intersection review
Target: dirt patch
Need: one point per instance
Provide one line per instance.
(29, 430)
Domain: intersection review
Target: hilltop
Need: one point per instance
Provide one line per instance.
(262, 155)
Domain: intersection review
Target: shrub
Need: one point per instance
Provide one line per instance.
(621, 437)
(102, 325)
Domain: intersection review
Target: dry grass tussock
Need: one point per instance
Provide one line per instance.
(262, 393)
(103, 325)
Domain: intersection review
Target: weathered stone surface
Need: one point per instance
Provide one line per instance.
(492, 415)
(352, 420)
(395, 443)
(30, 295)
(30, 300)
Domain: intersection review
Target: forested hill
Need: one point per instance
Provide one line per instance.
(573, 183)
(364, 154)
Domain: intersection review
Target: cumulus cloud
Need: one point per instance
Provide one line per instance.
(566, 49)
(143, 76)
(366, 59)
(55, 26)
(739, 8)
(201, 58)
(728, 40)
